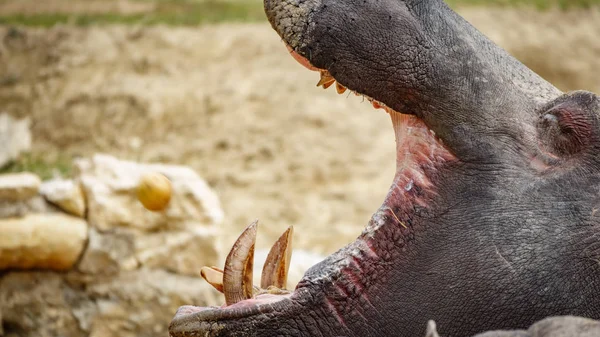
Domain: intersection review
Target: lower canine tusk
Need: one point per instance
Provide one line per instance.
(237, 275)
(277, 265)
(214, 277)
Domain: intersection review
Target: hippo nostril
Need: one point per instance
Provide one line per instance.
(290, 18)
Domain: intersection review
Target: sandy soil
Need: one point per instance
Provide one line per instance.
(33, 7)
(231, 103)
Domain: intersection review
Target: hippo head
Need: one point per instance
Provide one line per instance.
(493, 217)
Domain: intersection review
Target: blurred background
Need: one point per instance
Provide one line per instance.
(91, 91)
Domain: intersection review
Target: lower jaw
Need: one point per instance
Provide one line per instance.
(419, 156)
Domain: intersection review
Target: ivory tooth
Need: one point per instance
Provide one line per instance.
(214, 277)
(237, 276)
(277, 265)
(328, 84)
(340, 88)
(326, 78)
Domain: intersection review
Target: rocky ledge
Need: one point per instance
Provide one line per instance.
(82, 257)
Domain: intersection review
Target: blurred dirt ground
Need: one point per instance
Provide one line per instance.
(32, 7)
(228, 100)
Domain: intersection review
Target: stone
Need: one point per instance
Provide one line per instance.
(15, 138)
(37, 304)
(183, 252)
(142, 302)
(47, 241)
(560, 326)
(65, 194)
(126, 274)
(132, 303)
(108, 253)
(110, 188)
(37, 204)
(182, 238)
(18, 186)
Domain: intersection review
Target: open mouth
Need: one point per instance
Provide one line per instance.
(420, 154)
(470, 234)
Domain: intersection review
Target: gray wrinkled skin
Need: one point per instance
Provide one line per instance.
(566, 326)
(504, 232)
(554, 327)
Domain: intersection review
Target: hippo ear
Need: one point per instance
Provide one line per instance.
(569, 125)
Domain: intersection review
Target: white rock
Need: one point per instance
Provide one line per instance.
(10, 209)
(138, 303)
(181, 239)
(183, 252)
(15, 138)
(108, 253)
(141, 303)
(109, 185)
(66, 194)
(18, 186)
(48, 241)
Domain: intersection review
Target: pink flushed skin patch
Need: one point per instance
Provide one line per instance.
(419, 155)
(257, 301)
(417, 150)
(302, 60)
(190, 309)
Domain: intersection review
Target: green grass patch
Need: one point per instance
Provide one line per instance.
(540, 4)
(169, 12)
(197, 12)
(45, 169)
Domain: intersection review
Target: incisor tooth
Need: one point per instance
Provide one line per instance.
(237, 276)
(214, 277)
(277, 265)
(326, 79)
(340, 88)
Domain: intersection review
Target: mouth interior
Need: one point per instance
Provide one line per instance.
(419, 153)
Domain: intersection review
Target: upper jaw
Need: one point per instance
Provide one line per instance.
(419, 58)
(289, 18)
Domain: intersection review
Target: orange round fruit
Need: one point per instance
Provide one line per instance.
(154, 191)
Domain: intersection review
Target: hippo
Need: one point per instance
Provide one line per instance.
(492, 221)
